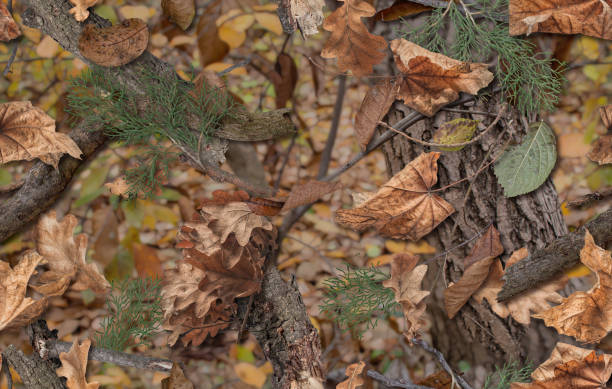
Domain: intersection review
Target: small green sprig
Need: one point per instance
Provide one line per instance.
(135, 314)
(357, 296)
(509, 373)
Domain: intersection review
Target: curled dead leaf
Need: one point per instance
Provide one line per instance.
(457, 294)
(116, 45)
(602, 150)
(354, 380)
(74, 366)
(404, 208)
(79, 10)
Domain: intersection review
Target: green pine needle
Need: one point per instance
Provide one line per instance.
(509, 373)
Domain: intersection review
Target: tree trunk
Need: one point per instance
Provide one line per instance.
(476, 334)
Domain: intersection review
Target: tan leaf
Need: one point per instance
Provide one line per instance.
(521, 306)
(587, 17)
(587, 316)
(308, 14)
(27, 132)
(591, 372)
(606, 116)
(180, 12)
(237, 218)
(74, 366)
(116, 45)
(356, 49)
(487, 246)
(602, 150)
(80, 11)
(374, 107)
(212, 48)
(9, 30)
(404, 208)
(562, 353)
(147, 261)
(406, 282)
(118, 186)
(400, 9)
(438, 380)
(430, 80)
(284, 78)
(457, 294)
(177, 379)
(66, 253)
(309, 193)
(16, 309)
(354, 380)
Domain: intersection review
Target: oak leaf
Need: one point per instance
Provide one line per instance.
(587, 17)
(587, 316)
(66, 257)
(590, 372)
(356, 49)
(115, 45)
(27, 132)
(406, 279)
(308, 193)
(354, 380)
(16, 309)
(521, 306)
(9, 30)
(180, 12)
(431, 80)
(373, 108)
(74, 366)
(177, 379)
(235, 218)
(405, 207)
(79, 10)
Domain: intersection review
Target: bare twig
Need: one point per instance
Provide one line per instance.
(588, 199)
(9, 63)
(333, 131)
(391, 383)
(425, 346)
(279, 177)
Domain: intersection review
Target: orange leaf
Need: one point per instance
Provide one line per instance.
(587, 17)
(356, 49)
(399, 9)
(146, 261)
(403, 208)
(354, 380)
(431, 80)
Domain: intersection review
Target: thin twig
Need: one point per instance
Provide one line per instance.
(11, 59)
(285, 161)
(469, 111)
(588, 199)
(393, 383)
(333, 131)
(244, 320)
(38, 59)
(235, 66)
(425, 346)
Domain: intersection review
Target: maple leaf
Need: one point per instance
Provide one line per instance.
(16, 309)
(9, 30)
(356, 49)
(235, 218)
(65, 255)
(588, 17)
(354, 380)
(431, 80)
(521, 306)
(405, 281)
(74, 365)
(115, 45)
(27, 132)
(373, 108)
(79, 10)
(571, 368)
(587, 316)
(404, 208)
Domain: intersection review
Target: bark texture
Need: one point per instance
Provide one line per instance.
(476, 334)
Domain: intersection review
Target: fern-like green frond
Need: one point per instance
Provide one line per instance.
(509, 373)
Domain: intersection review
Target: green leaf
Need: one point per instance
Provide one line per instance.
(523, 168)
(5, 177)
(455, 131)
(243, 354)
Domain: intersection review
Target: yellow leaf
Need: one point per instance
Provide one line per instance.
(395, 246)
(136, 11)
(589, 47)
(271, 7)
(315, 323)
(233, 33)
(182, 40)
(579, 270)
(221, 66)
(269, 21)
(250, 374)
(421, 247)
(380, 260)
(47, 48)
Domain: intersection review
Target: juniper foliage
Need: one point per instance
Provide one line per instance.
(156, 121)
(528, 79)
(357, 297)
(509, 373)
(135, 314)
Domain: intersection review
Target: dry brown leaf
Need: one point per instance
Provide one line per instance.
(354, 380)
(562, 353)
(9, 30)
(602, 150)
(180, 12)
(74, 366)
(374, 107)
(65, 255)
(591, 372)
(79, 10)
(400, 9)
(16, 309)
(487, 246)
(116, 45)
(212, 48)
(284, 77)
(587, 316)
(177, 379)
(356, 49)
(119, 186)
(606, 116)
(457, 294)
(235, 218)
(147, 261)
(406, 282)
(587, 17)
(438, 380)
(27, 132)
(308, 193)
(430, 80)
(403, 208)
(521, 306)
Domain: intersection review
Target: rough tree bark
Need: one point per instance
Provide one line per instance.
(476, 334)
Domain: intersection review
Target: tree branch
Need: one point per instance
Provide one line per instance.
(561, 254)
